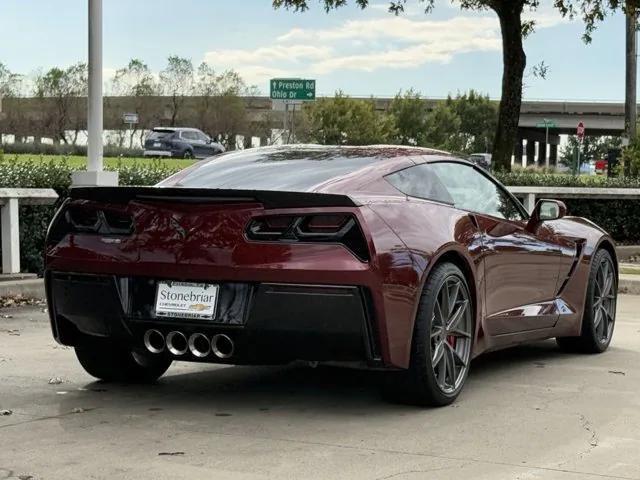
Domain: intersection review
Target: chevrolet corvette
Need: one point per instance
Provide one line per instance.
(400, 259)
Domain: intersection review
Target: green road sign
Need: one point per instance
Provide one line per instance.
(292, 89)
(547, 124)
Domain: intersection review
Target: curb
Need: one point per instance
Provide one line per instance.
(629, 284)
(624, 252)
(31, 288)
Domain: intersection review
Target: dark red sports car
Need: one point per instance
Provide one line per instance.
(402, 259)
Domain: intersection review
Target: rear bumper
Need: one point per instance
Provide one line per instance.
(268, 322)
(157, 153)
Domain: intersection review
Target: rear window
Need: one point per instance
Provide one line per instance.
(160, 134)
(287, 169)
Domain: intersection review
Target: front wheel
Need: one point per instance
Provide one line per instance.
(442, 342)
(599, 315)
(112, 363)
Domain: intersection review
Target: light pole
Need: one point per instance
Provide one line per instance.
(631, 107)
(95, 175)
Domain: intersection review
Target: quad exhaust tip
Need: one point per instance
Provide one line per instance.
(222, 346)
(177, 343)
(199, 345)
(154, 341)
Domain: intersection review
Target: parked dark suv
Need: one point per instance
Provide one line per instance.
(180, 143)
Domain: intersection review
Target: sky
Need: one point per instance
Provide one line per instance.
(362, 53)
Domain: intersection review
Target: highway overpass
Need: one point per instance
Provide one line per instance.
(35, 116)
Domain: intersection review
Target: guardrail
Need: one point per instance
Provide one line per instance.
(10, 200)
(530, 194)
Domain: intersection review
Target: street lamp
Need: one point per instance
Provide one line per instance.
(95, 175)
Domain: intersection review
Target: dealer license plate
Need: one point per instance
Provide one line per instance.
(186, 300)
(157, 144)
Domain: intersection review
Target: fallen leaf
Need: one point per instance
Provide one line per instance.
(55, 381)
(617, 372)
(78, 410)
(5, 413)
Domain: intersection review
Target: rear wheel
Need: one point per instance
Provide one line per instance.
(600, 308)
(112, 363)
(442, 342)
(187, 154)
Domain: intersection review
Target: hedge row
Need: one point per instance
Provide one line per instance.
(56, 149)
(620, 217)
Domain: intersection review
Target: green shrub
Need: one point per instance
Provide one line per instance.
(56, 149)
(621, 218)
(57, 175)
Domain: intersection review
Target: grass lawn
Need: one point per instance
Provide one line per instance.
(80, 161)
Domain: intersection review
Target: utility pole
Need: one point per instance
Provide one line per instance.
(631, 104)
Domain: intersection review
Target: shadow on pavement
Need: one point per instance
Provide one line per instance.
(288, 389)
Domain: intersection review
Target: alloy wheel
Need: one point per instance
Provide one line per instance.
(451, 335)
(604, 301)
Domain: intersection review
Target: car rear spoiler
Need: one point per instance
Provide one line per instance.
(270, 199)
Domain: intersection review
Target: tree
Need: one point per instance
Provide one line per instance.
(343, 120)
(409, 114)
(177, 82)
(64, 87)
(513, 29)
(592, 148)
(136, 81)
(221, 111)
(443, 128)
(478, 120)
(10, 82)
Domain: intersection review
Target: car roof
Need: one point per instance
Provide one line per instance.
(306, 168)
(175, 129)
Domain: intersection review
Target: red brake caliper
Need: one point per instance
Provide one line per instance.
(451, 340)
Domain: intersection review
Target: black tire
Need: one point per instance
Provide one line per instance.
(188, 154)
(418, 385)
(590, 339)
(117, 364)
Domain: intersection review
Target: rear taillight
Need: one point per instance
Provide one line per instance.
(88, 219)
(320, 228)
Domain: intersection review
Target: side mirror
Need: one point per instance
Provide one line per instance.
(546, 210)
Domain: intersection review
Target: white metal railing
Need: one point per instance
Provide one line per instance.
(530, 194)
(10, 200)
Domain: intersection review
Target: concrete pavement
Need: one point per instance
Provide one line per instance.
(527, 413)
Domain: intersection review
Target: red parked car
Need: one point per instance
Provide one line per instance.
(401, 259)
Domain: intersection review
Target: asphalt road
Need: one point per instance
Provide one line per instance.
(527, 413)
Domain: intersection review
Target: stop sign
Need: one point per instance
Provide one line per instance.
(581, 131)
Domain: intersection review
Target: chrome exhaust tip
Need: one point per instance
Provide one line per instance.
(199, 345)
(154, 341)
(177, 343)
(222, 346)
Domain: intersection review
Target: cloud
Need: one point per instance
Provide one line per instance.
(290, 53)
(382, 42)
(400, 29)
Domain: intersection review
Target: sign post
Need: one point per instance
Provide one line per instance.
(290, 91)
(130, 119)
(546, 124)
(580, 133)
